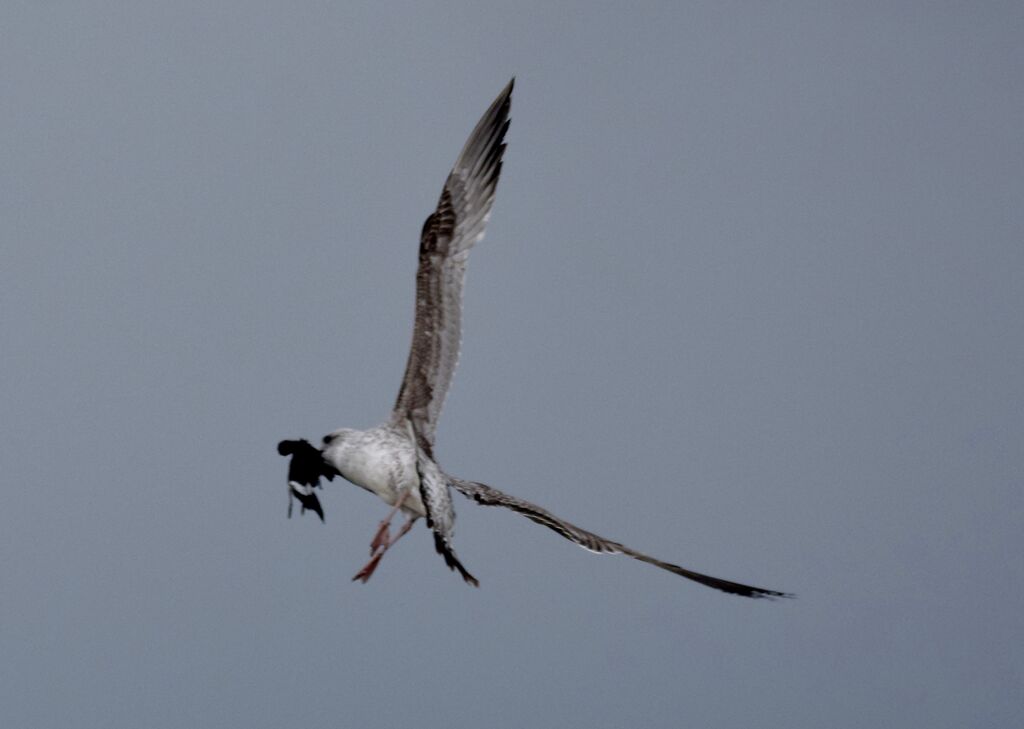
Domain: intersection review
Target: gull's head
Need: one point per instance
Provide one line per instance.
(335, 437)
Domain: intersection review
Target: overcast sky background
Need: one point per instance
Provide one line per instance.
(751, 300)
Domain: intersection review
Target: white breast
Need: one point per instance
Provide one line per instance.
(378, 460)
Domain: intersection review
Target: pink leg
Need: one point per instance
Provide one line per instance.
(382, 537)
(405, 529)
(367, 571)
(382, 540)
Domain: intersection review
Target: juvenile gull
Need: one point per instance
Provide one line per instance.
(395, 460)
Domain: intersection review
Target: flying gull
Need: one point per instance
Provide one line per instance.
(395, 460)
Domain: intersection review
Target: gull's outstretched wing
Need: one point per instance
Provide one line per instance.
(448, 235)
(489, 496)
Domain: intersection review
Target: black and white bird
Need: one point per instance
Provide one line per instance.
(395, 460)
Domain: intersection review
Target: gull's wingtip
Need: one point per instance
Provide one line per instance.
(773, 595)
(507, 91)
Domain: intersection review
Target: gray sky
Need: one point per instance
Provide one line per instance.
(751, 300)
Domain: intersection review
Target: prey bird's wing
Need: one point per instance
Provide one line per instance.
(304, 472)
(448, 235)
(489, 496)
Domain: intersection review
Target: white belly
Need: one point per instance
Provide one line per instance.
(380, 461)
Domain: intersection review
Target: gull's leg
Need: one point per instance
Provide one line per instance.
(382, 540)
(382, 537)
(401, 532)
(405, 528)
(368, 569)
(366, 572)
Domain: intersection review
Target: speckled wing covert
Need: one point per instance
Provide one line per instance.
(488, 496)
(447, 238)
